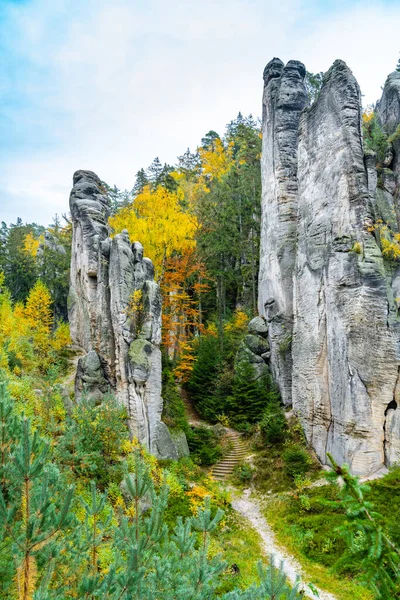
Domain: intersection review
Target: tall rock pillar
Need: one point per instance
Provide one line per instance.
(330, 294)
(283, 100)
(115, 316)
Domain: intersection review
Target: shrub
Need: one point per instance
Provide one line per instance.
(297, 461)
(174, 413)
(243, 473)
(203, 445)
(273, 424)
(92, 442)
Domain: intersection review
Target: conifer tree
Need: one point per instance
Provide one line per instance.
(33, 508)
(367, 540)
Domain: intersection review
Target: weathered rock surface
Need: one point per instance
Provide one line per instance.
(283, 100)
(121, 338)
(325, 288)
(254, 349)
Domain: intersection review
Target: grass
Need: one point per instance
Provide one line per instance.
(306, 528)
(307, 523)
(240, 546)
(271, 475)
(306, 519)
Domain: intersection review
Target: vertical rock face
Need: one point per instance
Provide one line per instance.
(115, 313)
(284, 99)
(340, 292)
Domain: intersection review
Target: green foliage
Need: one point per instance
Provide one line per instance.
(50, 263)
(174, 414)
(18, 266)
(202, 385)
(273, 424)
(34, 505)
(229, 214)
(54, 547)
(204, 446)
(91, 445)
(249, 396)
(313, 83)
(243, 473)
(297, 461)
(367, 541)
(375, 138)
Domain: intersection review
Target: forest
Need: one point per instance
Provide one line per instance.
(85, 510)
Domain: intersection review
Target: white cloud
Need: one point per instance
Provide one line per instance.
(116, 83)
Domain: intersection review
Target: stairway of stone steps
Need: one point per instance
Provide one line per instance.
(225, 467)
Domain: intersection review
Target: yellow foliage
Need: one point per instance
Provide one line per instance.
(61, 337)
(217, 160)
(37, 308)
(156, 218)
(368, 116)
(26, 337)
(175, 487)
(135, 308)
(389, 240)
(25, 578)
(196, 496)
(31, 245)
(239, 321)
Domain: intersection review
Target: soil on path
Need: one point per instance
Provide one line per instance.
(250, 508)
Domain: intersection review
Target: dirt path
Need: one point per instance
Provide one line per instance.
(250, 508)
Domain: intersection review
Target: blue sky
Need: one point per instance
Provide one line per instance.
(108, 85)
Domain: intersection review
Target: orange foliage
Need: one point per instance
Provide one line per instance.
(184, 281)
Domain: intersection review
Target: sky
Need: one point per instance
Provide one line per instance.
(108, 85)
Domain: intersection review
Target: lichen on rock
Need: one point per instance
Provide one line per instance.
(122, 352)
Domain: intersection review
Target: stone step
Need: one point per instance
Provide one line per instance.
(224, 469)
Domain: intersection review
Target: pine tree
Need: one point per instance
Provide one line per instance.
(202, 382)
(141, 181)
(154, 172)
(367, 540)
(34, 510)
(249, 396)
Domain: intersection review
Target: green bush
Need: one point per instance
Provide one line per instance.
(205, 374)
(297, 461)
(174, 414)
(273, 424)
(91, 445)
(203, 445)
(243, 473)
(375, 139)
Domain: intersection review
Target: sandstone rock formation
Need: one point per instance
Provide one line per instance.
(254, 348)
(284, 99)
(327, 292)
(115, 316)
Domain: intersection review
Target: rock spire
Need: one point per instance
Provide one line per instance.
(114, 309)
(326, 290)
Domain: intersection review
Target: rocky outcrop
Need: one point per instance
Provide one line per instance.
(324, 283)
(115, 316)
(283, 100)
(254, 349)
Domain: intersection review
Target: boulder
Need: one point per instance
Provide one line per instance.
(180, 441)
(90, 378)
(164, 445)
(258, 326)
